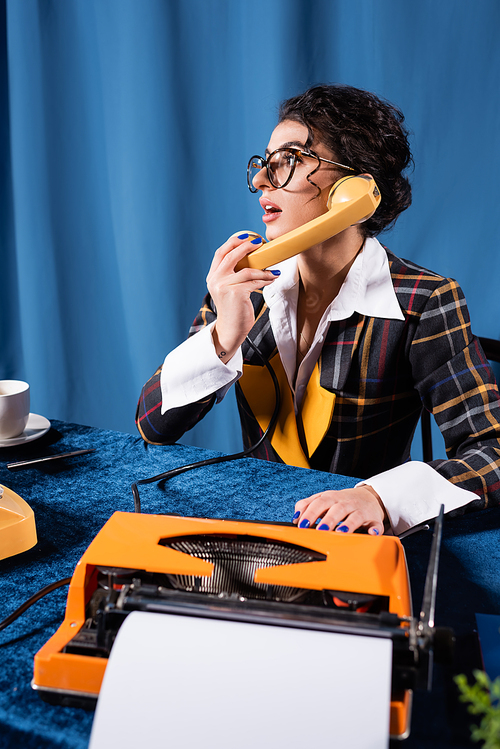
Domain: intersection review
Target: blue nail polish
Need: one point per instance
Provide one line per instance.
(276, 272)
(342, 528)
(304, 523)
(375, 532)
(323, 527)
(296, 515)
(242, 236)
(257, 240)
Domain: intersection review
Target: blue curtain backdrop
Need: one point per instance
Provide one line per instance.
(126, 126)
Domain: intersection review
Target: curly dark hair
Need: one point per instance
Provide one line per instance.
(363, 131)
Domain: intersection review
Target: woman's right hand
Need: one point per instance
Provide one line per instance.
(231, 291)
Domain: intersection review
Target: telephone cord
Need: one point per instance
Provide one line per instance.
(222, 458)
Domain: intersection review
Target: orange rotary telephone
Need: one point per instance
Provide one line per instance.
(17, 524)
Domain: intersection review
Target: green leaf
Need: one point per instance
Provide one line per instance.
(483, 697)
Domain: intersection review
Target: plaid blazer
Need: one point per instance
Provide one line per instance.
(383, 373)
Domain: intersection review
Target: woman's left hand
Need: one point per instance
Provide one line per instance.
(343, 511)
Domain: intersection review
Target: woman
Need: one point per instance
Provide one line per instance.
(361, 340)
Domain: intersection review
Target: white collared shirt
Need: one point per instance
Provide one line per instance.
(193, 371)
(367, 289)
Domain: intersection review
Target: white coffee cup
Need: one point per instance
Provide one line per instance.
(14, 408)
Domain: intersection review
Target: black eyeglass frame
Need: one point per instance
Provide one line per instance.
(296, 152)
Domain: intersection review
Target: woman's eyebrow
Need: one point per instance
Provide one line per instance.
(288, 144)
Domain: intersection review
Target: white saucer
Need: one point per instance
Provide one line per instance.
(36, 427)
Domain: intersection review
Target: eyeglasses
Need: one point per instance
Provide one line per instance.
(280, 166)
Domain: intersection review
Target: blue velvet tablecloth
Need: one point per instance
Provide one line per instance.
(73, 498)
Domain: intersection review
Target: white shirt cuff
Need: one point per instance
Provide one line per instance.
(193, 371)
(414, 492)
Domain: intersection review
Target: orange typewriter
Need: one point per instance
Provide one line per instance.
(253, 572)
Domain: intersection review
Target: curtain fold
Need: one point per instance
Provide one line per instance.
(125, 130)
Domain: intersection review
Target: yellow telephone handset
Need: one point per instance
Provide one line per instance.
(352, 200)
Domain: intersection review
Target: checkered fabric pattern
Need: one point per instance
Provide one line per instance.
(383, 373)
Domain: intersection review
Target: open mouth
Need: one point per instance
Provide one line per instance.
(271, 211)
